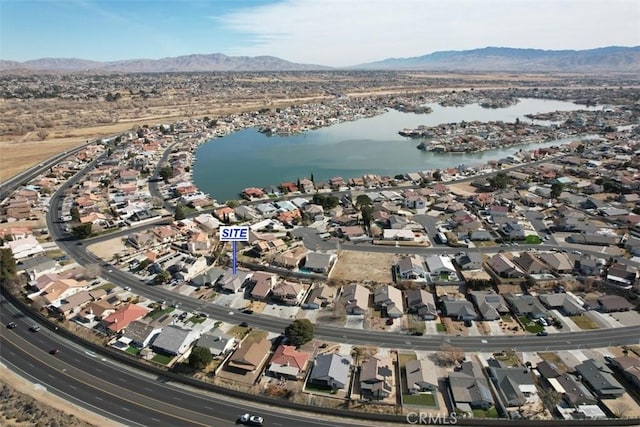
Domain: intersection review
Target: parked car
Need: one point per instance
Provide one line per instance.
(542, 333)
(244, 324)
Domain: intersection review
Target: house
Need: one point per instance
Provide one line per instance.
(515, 386)
(629, 367)
(288, 362)
(558, 262)
(593, 239)
(389, 301)
(621, 275)
(440, 268)
(611, 304)
(234, 283)
(174, 340)
(262, 284)
(141, 333)
(71, 305)
(574, 393)
(600, 380)
(318, 262)
(120, 319)
(469, 261)
(589, 266)
(320, 296)
(421, 376)
(376, 378)
(288, 293)
(291, 258)
(35, 266)
(25, 247)
(504, 267)
(217, 342)
(490, 305)
(513, 230)
(422, 304)
(530, 264)
(355, 298)
(411, 268)
(330, 371)
(469, 388)
(563, 302)
(526, 305)
(250, 356)
(459, 309)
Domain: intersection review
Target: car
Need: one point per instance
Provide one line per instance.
(34, 328)
(12, 325)
(54, 351)
(244, 324)
(247, 311)
(542, 333)
(468, 323)
(389, 321)
(127, 288)
(251, 420)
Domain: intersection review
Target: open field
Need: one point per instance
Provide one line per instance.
(355, 266)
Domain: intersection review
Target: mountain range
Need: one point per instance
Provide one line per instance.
(606, 59)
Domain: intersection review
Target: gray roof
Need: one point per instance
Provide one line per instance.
(599, 377)
(138, 331)
(526, 305)
(420, 375)
(331, 366)
(37, 264)
(509, 382)
(215, 340)
(459, 308)
(171, 338)
(317, 261)
(468, 385)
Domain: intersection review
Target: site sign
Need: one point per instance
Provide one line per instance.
(234, 233)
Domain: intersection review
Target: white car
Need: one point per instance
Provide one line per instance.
(251, 420)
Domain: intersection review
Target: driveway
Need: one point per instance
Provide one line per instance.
(355, 321)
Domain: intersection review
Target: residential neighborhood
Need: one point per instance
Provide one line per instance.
(543, 242)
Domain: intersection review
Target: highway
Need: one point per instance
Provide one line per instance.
(121, 393)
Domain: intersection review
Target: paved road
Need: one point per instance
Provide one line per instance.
(121, 393)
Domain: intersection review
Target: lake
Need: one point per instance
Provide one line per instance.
(225, 166)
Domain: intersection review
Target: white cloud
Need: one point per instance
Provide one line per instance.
(348, 32)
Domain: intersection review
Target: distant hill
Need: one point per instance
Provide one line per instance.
(613, 58)
(606, 59)
(212, 62)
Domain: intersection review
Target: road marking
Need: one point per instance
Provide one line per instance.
(98, 397)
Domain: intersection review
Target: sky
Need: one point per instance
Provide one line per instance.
(324, 32)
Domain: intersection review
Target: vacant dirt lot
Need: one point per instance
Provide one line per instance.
(355, 266)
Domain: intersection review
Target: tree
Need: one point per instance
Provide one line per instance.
(42, 135)
(82, 231)
(232, 203)
(500, 181)
(556, 190)
(7, 265)
(75, 213)
(326, 201)
(181, 213)
(166, 173)
(200, 357)
(162, 277)
(299, 332)
(437, 175)
(363, 200)
(367, 217)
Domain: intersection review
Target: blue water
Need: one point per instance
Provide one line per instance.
(225, 166)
